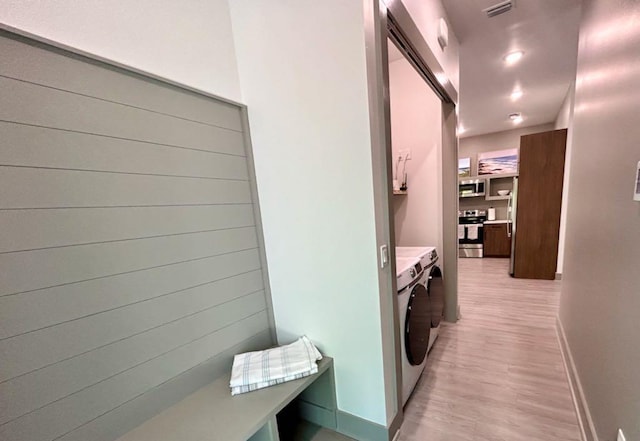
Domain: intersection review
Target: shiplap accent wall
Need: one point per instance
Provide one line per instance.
(131, 267)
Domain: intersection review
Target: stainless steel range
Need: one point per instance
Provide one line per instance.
(470, 232)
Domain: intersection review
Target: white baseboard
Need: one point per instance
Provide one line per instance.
(585, 421)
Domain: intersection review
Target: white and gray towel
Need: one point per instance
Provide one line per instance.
(256, 370)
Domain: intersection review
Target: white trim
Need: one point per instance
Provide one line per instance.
(575, 386)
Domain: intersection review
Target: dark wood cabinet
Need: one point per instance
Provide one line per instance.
(497, 243)
(539, 203)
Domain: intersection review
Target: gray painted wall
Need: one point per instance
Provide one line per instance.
(131, 266)
(600, 301)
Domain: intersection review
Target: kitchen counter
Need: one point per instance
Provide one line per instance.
(498, 221)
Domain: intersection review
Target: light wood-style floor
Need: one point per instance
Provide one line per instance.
(497, 374)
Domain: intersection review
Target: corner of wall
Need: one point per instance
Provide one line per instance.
(314, 173)
(565, 120)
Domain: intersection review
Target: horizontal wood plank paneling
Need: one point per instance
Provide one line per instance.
(25, 62)
(42, 349)
(131, 267)
(69, 413)
(63, 227)
(55, 266)
(46, 307)
(61, 110)
(158, 335)
(46, 188)
(126, 417)
(30, 146)
(141, 345)
(43, 386)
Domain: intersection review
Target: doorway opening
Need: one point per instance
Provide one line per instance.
(413, 143)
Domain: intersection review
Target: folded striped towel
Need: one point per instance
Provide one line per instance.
(256, 370)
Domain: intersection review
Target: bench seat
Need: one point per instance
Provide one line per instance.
(211, 413)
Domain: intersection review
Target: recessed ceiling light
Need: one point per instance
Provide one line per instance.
(516, 95)
(516, 118)
(513, 57)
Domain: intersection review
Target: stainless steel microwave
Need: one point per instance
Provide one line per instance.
(471, 188)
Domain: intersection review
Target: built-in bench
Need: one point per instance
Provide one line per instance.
(212, 413)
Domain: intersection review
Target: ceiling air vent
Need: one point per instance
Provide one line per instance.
(499, 8)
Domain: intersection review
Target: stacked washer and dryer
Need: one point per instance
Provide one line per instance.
(421, 308)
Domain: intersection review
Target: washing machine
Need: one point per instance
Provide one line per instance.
(428, 257)
(414, 307)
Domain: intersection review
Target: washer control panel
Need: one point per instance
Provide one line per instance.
(408, 270)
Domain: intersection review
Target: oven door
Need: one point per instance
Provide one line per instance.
(470, 243)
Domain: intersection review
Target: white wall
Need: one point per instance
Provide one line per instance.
(189, 42)
(599, 302)
(565, 121)
(416, 125)
(303, 75)
(426, 15)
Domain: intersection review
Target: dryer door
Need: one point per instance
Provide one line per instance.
(417, 326)
(435, 286)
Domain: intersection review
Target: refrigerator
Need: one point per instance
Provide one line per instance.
(512, 209)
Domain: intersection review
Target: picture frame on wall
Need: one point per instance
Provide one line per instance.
(498, 162)
(464, 167)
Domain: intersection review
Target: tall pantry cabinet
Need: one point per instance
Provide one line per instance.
(542, 158)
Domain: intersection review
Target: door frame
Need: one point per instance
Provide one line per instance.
(383, 20)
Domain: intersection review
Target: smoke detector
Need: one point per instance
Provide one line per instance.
(499, 8)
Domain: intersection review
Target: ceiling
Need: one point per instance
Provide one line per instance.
(547, 32)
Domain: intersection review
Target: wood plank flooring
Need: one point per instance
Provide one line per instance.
(497, 374)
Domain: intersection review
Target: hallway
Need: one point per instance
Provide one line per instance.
(498, 373)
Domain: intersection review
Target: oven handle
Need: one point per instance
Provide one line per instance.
(509, 217)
